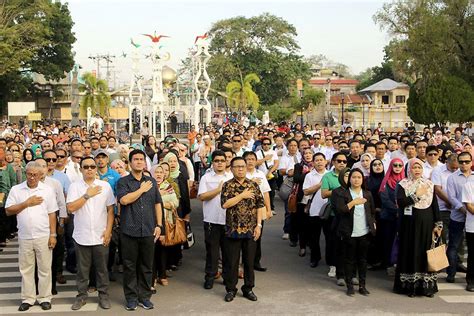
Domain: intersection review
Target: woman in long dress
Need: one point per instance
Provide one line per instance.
(420, 222)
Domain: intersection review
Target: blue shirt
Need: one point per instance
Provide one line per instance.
(112, 177)
(63, 179)
(360, 227)
(455, 184)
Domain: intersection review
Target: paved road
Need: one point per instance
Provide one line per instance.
(289, 286)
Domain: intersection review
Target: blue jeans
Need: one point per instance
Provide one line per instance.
(456, 232)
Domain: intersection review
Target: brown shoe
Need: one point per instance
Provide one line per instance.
(61, 279)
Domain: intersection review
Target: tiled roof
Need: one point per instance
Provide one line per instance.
(334, 81)
(350, 99)
(384, 85)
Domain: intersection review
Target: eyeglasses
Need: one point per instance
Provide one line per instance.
(61, 156)
(219, 160)
(341, 161)
(464, 162)
(377, 165)
(15, 150)
(236, 141)
(91, 167)
(396, 165)
(266, 144)
(50, 159)
(433, 154)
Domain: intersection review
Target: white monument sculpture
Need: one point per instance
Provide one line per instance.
(158, 99)
(202, 82)
(135, 92)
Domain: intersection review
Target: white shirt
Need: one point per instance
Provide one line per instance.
(73, 172)
(311, 180)
(468, 197)
(427, 169)
(264, 185)
(270, 163)
(90, 221)
(287, 162)
(212, 211)
(33, 222)
(328, 152)
(58, 192)
(439, 176)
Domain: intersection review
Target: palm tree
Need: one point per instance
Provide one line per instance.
(96, 96)
(240, 95)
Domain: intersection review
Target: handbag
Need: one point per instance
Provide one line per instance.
(325, 211)
(293, 200)
(307, 207)
(189, 237)
(436, 256)
(175, 233)
(193, 192)
(285, 189)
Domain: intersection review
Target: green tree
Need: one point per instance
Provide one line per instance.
(277, 112)
(96, 96)
(264, 45)
(444, 99)
(35, 36)
(377, 73)
(240, 94)
(311, 98)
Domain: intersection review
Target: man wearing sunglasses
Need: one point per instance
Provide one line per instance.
(209, 193)
(92, 202)
(431, 162)
(52, 159)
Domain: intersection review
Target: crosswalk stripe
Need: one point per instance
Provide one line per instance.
(8, 264)
(17, 273)
(55, 308)
(18, 284)
(451, 286)
(458, 298)
(8, 250)
(9, 256)
(64, 294)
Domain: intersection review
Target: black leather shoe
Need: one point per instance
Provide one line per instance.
(313, 264)
(363, 291)
(229, 297)
(461, 268)
(45, 306)
(293, 243)
(54, 291)
(250, 295)
(470, 288)
(24, 307)
(450, 279)
(208, 284)
(259, 268)
(350, 291)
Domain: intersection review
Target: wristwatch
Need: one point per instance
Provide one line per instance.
(53, 235)
(259, 225)
(161, 227)
(86, 196)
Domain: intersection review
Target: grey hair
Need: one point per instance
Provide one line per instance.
(33, 165)
(452, 158)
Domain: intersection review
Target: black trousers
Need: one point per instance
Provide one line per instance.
(57, 262)
(258, 250)
(331, 239)
(232, 249)
(273, 186)
(69, 243)
(162, 254)
(470, 258)
(298, 228)
(214, 240)
(314, 233)
(388, 230)
(355, 256)
(137, 253)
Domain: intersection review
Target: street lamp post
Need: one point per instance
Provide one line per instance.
(299, 86)
(342, 109)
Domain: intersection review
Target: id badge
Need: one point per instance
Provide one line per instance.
(408, 211)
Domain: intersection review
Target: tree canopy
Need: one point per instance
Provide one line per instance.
(96, 96)
(432, 44)
(35, 36)
(265, 45)
(240, 93)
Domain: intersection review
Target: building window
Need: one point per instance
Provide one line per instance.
(385, 99)
(400, 99)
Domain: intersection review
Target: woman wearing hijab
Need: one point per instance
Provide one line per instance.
(420, 222)
(181, 189)
(364, 164)
(374, 181)
(37, 150)
(300, 219)
(389, 213)
(355, 216)
(28, 156)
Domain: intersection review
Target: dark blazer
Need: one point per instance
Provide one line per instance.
(345, 215)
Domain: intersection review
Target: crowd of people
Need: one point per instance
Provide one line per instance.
(100, 205)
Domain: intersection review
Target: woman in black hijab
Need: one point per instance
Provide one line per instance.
(377, 173)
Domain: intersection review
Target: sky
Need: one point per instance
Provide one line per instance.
(343, 30)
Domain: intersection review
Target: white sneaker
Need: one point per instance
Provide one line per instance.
(285, 236)
(332, 272)
(274, 213)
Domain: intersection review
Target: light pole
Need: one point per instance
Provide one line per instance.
(342, 110)
(299, 86)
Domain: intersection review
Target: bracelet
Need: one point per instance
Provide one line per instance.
(161, 227)
(259, 225)
(53, 235)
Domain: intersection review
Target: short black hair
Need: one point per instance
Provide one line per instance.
(379, 144)
(318, 154)
(409, 144)
(73, 140)
(237, 159)
(339, 153)
(85, 158)
(431, 148)
(50, 151)
(217, 153)
(464, 153)
(136, 152)
(393, 137)
(290, 141)
(249, 153)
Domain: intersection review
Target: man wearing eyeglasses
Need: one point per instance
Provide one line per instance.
(92, 202)
(34, 205)
(455, 184)
(431, 162)
(267, 162)
(209, 192)
(244, 205)
(237, 145)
